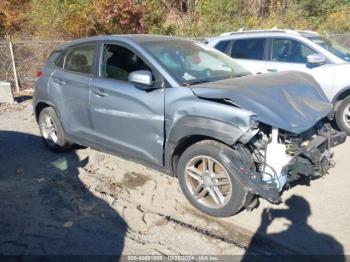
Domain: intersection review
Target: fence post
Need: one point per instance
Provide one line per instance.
(13, 63)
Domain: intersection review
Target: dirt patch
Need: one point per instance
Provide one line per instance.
(132, 180)
(89, 207)
(12, 108)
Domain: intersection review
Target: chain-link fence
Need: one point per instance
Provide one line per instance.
(6, 66)
(30, 56)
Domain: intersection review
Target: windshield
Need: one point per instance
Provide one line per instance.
(192, 62)
(333, 47)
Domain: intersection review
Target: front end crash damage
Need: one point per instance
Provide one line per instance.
(274, 158)
(289, 139)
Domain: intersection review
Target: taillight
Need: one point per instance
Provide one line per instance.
(38, 74)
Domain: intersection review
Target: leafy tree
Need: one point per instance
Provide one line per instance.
(58, 18)
(2, 25)
(337, 22)
(13, 16)
(154, 16)
(77, 18)
(118, 16)
(320, 8)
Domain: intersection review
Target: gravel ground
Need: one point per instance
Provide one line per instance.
(86, 202)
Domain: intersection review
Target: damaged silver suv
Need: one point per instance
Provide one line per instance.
(189, 110)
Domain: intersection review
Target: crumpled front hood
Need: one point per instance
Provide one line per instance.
(291, 100)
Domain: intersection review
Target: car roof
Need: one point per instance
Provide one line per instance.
(264, 33)
(137, 38)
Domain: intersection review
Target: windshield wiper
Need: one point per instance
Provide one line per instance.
(235, 76)
(195, 82)
(238, 75)
(201, 81)
(242, 74)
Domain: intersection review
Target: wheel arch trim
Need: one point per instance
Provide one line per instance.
(339, 95)
(40, 105)
(191, 129)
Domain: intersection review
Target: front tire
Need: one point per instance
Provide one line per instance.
(342, 116)
(52, 131)
(207, 182)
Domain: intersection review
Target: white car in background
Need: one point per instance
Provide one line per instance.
(263, 51)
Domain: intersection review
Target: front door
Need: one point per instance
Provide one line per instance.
(126, 119)
(288, 54)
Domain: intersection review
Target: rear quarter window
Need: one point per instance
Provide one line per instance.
(222, 46)
(59, 60)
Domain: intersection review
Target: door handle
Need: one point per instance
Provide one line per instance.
(99, 92)
(59, 81)
(272, 69)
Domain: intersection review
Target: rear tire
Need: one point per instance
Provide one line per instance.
(200, 183)
(342, 116)
(52, 131)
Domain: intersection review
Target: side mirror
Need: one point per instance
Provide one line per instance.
(141, 78)
(316, 59)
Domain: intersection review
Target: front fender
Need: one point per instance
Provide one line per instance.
(200, 126)
(341, 94)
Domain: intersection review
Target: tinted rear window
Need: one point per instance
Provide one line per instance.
(252, 48)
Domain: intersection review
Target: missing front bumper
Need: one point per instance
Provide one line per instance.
(316, 159)
(312, 160)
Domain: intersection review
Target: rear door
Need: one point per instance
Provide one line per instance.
(69, 89)
(288, 54)
(127, 119)
(251, 53)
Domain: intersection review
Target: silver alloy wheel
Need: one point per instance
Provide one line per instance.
(208, 181)
(48, 128)
(346, 116)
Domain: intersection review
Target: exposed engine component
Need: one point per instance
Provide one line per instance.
(282, 157)
(277, 159)
(272, 159)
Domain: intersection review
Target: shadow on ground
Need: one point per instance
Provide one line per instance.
(302, 241)
(45, 208)
(22, 98)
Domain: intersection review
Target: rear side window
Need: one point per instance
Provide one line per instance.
(79, 59)
(252, 48)
(59, 60)
(222, 46)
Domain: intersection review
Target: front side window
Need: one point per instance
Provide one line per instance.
(252, 48)
(118, 62)
(290, 51)
(193, 62)
(80, 59)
